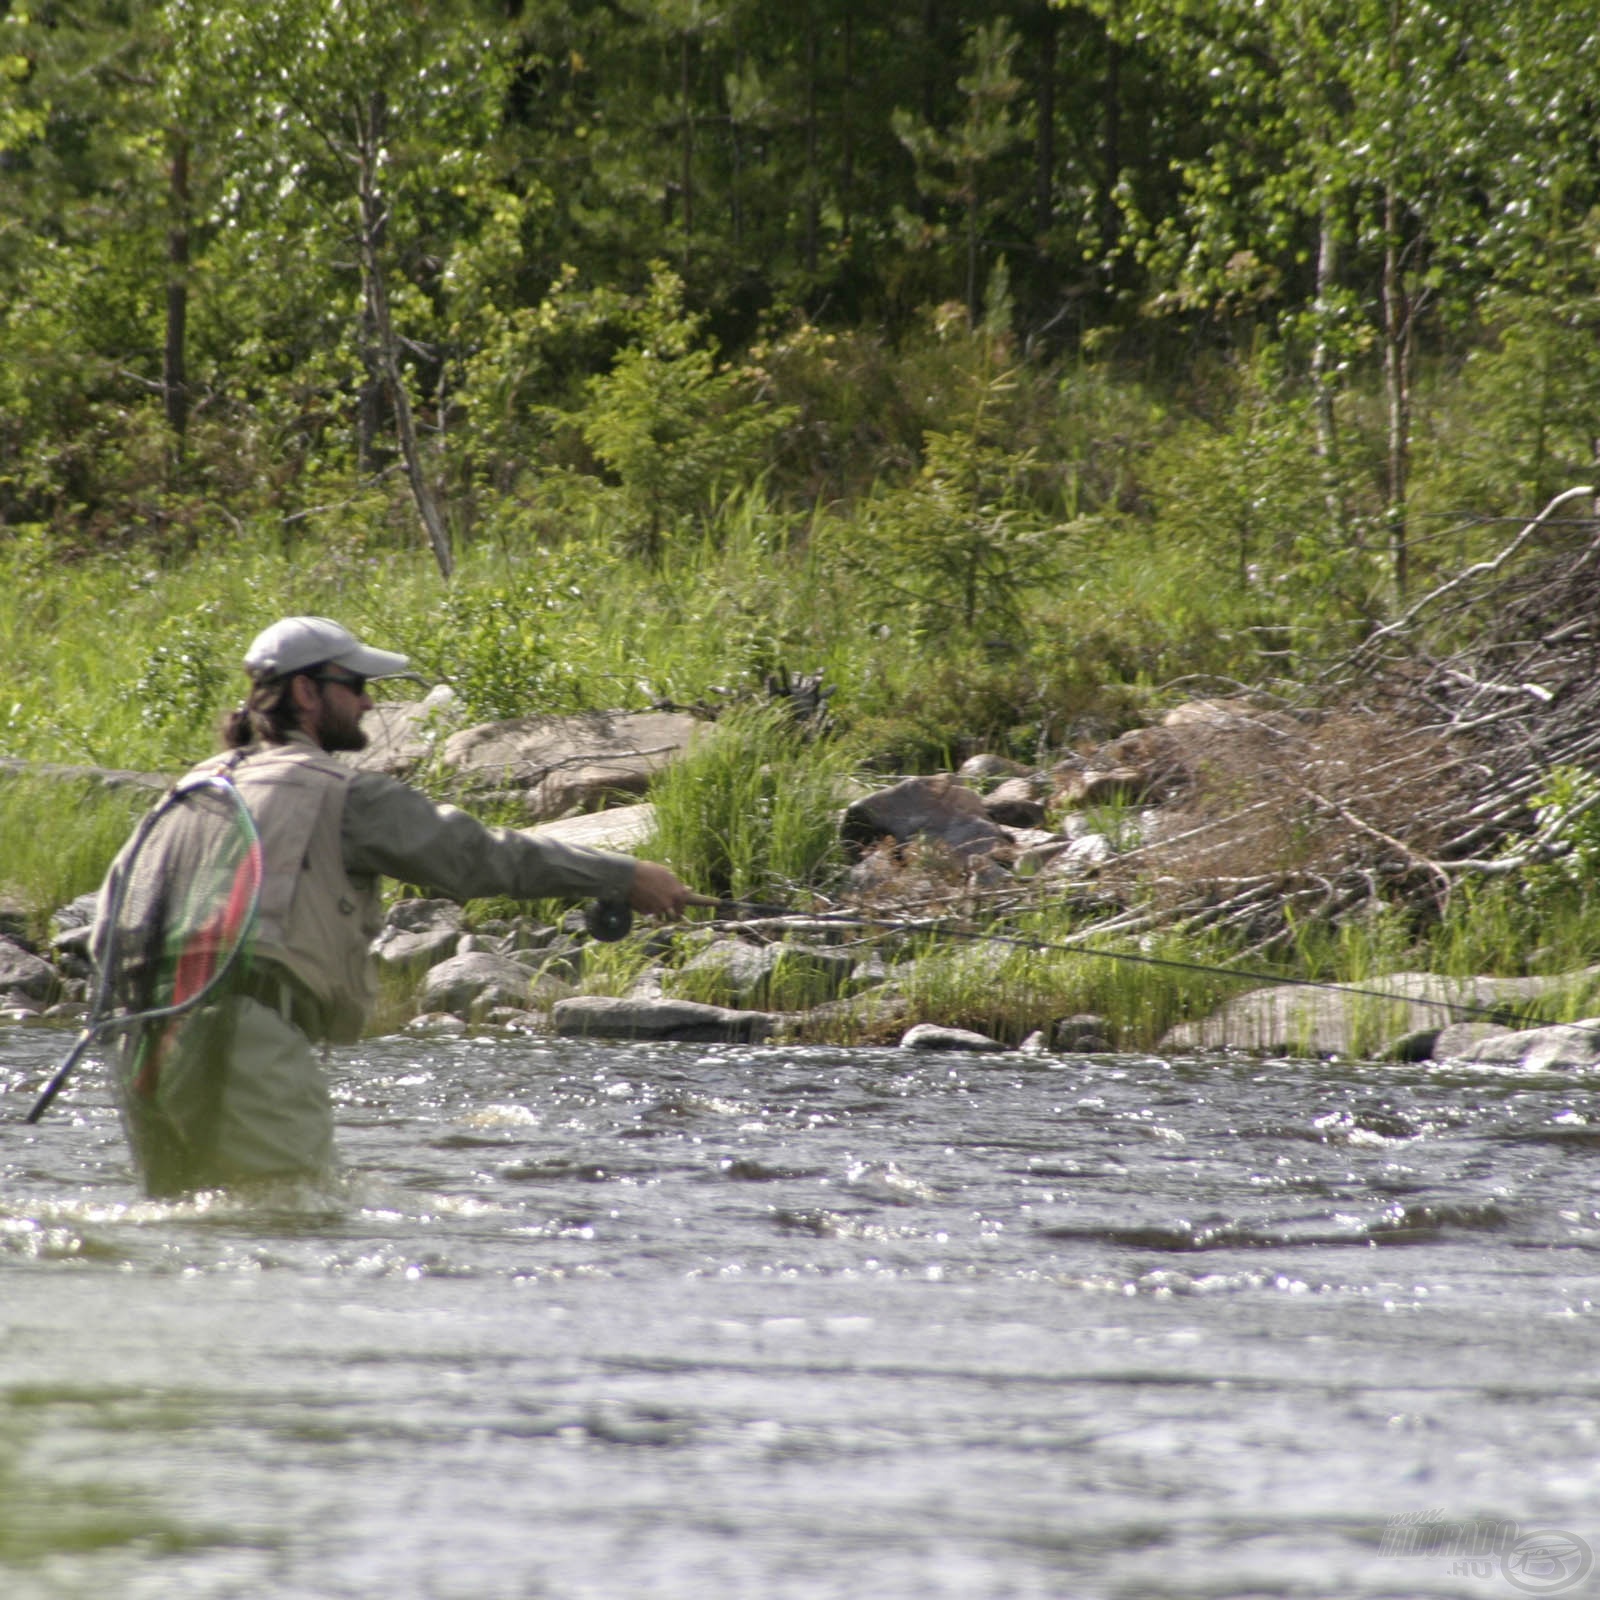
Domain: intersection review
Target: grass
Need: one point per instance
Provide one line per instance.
(57, 838)
(752, 812)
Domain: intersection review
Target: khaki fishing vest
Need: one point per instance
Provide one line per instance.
(313, 920)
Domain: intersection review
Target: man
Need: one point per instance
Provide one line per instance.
(234, 1090)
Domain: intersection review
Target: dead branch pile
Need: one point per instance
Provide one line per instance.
(1406, 768)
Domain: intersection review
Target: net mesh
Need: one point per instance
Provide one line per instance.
(178, 906)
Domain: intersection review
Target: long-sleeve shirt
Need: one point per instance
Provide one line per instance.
(393, 830)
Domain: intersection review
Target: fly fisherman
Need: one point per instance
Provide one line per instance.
(235, 1091)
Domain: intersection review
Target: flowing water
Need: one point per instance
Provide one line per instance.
(595, 1321)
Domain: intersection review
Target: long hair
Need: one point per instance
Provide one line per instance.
(268, 715)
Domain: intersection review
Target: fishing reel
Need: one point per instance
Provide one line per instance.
(608, 920)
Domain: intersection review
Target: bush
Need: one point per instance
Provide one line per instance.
(752, 812)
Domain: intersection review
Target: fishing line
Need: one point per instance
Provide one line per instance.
(616, 919)
(200, 941)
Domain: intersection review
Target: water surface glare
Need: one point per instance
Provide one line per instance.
(667, 1321)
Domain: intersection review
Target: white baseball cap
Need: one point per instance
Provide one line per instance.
(296, 643)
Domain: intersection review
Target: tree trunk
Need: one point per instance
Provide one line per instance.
(1111, 150)
(174, 374)
(374, 220)
(812, 210)
(1044, 149)
(1322, 386)
(1397, 322)
(847, 149)
(686, 179)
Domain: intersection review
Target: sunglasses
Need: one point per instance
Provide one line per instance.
(356, 684)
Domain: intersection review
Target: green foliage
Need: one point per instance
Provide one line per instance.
(1008, 990)
(57, 837)
(1243, 485)
(752, 811)
(672, 427)
(965, 543)
(513, 649)
(1567, 831)
(955, 162)
(184, 675)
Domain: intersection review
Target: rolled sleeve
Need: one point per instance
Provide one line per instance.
(394, 831)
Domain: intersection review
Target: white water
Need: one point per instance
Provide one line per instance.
(586, 1321)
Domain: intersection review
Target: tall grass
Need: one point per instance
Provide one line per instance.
(752, 811)
(57, 838)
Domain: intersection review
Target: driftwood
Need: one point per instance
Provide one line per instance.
(1405, 769)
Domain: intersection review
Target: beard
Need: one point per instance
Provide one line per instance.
(341, 729)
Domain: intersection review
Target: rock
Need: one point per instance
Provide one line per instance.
(747, 972)
(75, 915)
(1415, 1046)
(1346, 1019)
(936, 808)
(602, 1017)
(561, 764)
(437, 1023)
(402, 734)
(1231, 712)
(1015, 804)
(1455, 1040)
(478, 979)
(618, 828)
(878, 1016)
(514, 1019)
(1556, 1048)
(25, 975)
(980, 769)
(930, 1036)
(1146, 765)
(1104, 786)
(105, 777)
(1080, 857)
(1083, 1034)
(418, 933)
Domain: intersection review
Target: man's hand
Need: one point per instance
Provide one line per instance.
(656, 890)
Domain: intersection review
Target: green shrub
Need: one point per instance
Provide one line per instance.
(752, 811)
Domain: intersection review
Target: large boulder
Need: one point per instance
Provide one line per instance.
(1016, 803)
(618, 828)
(1347, 1019)
(475, 981)
(24, 975)
(418, 933)
(745, 973)
(1154, 765)
(932, 1036)
(645, 1017)
(557, 765)
(1560, 1047)
(935, 808)
(403, 734)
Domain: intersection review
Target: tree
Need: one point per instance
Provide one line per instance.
(672, 427)
(1361, 142)
(383, 117)
(956, 164)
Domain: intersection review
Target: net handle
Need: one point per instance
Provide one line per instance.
(102, 1021)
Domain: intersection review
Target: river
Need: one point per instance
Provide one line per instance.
(584, 1320)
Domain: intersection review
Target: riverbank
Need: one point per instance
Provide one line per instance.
(998, 907)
